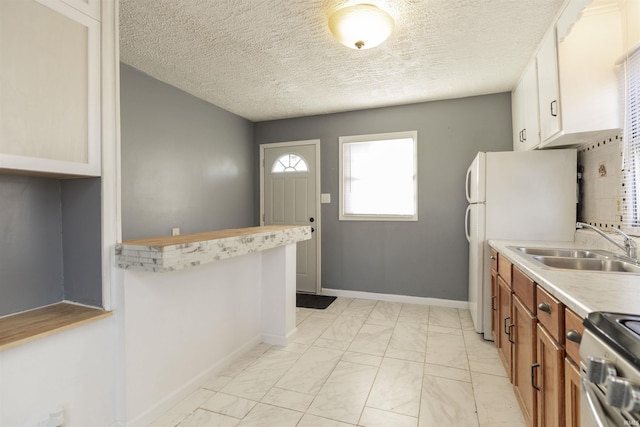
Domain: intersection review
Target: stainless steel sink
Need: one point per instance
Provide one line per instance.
(566, 252)
(589, 264)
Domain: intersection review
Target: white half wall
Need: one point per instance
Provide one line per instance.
(182, 327)
(73, 370)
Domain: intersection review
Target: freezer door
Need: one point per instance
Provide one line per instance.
(475, 181)
(531, 195)
(475, 235)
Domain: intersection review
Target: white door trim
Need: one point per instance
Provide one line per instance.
(318, 224)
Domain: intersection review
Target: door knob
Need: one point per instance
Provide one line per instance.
(312, 219)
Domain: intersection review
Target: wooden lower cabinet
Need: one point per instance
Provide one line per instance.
(549, 378)
(524, 356)
(505, 324)
(571, 393)
(495, 314)
(538, 341)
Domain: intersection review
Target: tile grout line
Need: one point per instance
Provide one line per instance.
(473, 389)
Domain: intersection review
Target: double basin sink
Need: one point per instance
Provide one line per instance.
(581, 259)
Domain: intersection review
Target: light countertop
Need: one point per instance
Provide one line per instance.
(170, 253)
(581, 291)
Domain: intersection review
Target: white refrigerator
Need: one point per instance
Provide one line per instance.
(528, 195)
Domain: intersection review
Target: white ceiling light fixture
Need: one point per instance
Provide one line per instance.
(361, 26)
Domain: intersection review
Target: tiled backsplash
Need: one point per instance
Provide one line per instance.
(601, 165)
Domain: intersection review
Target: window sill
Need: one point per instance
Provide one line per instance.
(28, 326)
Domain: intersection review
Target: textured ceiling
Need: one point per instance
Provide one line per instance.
(275, 59)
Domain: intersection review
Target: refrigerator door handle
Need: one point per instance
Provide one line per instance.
(466, 223)
(467, 185)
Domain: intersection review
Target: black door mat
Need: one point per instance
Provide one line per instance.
(313, 301)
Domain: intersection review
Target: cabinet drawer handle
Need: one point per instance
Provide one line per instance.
(509, 334)
(543, 306)
(574, 336)
(505, 324)
(554, 112)
(493, 300)
(533, 376)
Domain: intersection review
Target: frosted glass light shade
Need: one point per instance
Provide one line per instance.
(362, 26)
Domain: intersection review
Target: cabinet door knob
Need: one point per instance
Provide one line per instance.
(543, 306)
(492, 257)
(574, 336)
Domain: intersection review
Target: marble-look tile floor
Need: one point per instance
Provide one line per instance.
(361, 363)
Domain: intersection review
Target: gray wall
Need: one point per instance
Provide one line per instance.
(427, 258)
(185, 163)
(50, 242)
(30, 243)
(82, 240)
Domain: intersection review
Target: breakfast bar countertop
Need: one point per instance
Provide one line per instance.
(170, 253)
(582, 291)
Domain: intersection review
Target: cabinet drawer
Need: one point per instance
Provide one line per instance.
(494, 259)
(573, 328)
(504, 269)
(550, 314)
(525, 289)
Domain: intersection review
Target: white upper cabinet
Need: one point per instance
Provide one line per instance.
(548, 86)
(50, 87)
(524, 101)
(577, 81)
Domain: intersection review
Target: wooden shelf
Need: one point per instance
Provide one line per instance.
(21, 328)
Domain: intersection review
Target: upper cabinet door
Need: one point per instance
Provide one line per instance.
(524, 111)
(517, 117)
(530, 106)
(548, 89)
(49, 89)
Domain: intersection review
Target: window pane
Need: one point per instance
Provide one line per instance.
(379, 177)
(289, 163)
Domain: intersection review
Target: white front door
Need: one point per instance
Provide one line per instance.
(289, 196)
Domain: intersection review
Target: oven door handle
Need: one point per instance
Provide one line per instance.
(595, 408)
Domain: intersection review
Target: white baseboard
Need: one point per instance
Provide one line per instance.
(279, 340)
(190, 386)
(396, 298)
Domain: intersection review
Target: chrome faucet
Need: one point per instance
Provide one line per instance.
(629, 246)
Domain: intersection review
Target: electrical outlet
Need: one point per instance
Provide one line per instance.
(175, 231)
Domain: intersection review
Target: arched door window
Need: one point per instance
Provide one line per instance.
(289, 163)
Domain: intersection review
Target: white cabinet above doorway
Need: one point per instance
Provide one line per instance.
(50, 94)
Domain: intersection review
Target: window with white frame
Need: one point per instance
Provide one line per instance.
(379, 177)
(631, 184)
(289, 163)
